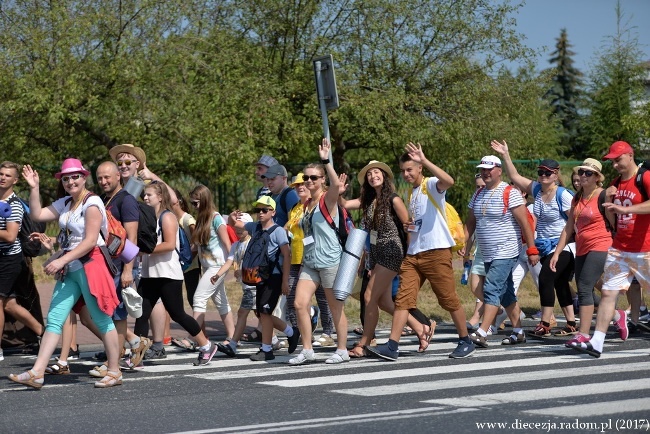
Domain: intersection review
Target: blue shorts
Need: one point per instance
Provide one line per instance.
(499, 289)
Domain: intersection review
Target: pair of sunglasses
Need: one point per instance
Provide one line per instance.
(587, 173)
(263, 210)
(74, 177)
(125, 163)
(310, 177)
(542, 172)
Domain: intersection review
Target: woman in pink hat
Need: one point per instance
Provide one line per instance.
(80, 268)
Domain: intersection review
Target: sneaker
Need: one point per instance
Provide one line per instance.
(314, 318)
(2, 355)
(383, 351)
(492, 330)
(152, 354)
(137, 354)
(226, 349)
(622, 324)
(644, 315)
(324, 341)
(73, 354)
(478, 340)
(262, 356)
(537, 316)
(293, 340)
(100, 357)
(338, 357)
(464, 349)
(515, 338)
(167, 341)
(541, 331)
(577, 340)
(643, 326)
(99, 371)
(205, 357)
(305, 356)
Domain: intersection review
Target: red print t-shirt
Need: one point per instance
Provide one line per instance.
(632, 230)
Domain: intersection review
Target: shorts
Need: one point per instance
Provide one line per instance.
(11, 266)
(622, 267)
(248, 297)
(499, 288)
(268, 294)
(478, 266)
(324, 276)
(434, 266)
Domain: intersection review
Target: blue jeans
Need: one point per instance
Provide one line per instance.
(499, 289)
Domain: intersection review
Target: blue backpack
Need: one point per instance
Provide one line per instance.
(558, 198)
(185, 247)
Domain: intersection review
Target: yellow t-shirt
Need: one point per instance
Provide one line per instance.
(293, 226)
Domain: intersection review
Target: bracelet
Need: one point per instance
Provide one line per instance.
(532, 251)
(325, 161)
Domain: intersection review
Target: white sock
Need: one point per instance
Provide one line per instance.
(274, 340)
(288, 330)
(516, 331)
(133, 343)
(598, 341)
(205, 347)
(266, 348)
(481, 332)
(63, 363)
(341, 352)
(308, 352)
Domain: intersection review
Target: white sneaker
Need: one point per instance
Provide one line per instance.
(324, 341)
(492, 330)
(305, 356)
(338, 358)
(2, 356)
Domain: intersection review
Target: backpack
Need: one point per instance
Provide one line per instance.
(31, 248)
(282, 200)
(529, 216)
(147, 237)
(558, 198)
(403, 236)
(116, 238)
(257, 266)
(345, 221)
(638, 181)
(451, 217)
(601, 208)
(184, 249)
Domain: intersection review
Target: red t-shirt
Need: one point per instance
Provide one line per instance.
(632, 230)
(591, 232)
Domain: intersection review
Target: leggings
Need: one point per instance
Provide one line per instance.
(549, 279)
(588, 270)
(171, 293)
(65, 296)
(325, 313)
(191, 282)
(206, 290)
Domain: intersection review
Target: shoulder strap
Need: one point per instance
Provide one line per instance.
(326, 212)
(424, 190)
(639, 182)
(283, 200)
(558, 198)
(536, 190)
(506, 197)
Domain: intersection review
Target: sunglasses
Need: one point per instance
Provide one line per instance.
(587, 173)
(125, 163)
(310, 177)
(263, 210)
(74, 177)
(542, 172)
(195, 202)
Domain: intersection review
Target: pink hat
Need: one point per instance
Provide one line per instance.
(71, 165)
(617, 149)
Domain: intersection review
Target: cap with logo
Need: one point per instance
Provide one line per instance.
(489, 162)
(265, 201)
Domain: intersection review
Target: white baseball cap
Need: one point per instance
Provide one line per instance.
(489, 161)
(132, 301)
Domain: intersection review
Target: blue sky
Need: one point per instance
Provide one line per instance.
(588, 23)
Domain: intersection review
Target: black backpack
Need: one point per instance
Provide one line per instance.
(147, 236)
(638, 180)
(257, 266)
(27, 227)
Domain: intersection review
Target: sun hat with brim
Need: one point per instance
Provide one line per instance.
(489, 162)
(138, 153)
(374, 164)
(593, 165)
(71, 165)
(297, 180)
(264, 200)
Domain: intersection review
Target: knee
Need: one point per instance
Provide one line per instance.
(301, 305)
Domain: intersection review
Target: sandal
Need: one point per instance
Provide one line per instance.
(111, 379)
(358, 352)
(58, 369)
(358, 331)
(568, 330)
(426, 337)
(31, 381)
(541, 331)
(185, 343)
(254, 336)
(408, 331)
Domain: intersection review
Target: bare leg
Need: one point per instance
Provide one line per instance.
(305, 290)
(21, 314)
(242, 315)
(157, 321)
(340, 320)
(228, 323)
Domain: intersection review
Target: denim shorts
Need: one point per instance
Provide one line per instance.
(248, 297)
(499, 289)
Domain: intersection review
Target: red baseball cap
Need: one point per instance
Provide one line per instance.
(617, 149)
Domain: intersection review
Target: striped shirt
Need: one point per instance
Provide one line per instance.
(498, 234)
(16, 217)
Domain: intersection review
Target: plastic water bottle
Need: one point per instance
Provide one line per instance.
(467, 266)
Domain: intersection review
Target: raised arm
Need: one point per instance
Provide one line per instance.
(445, 181)
(332, 195)
(36, 212)
(522, 183)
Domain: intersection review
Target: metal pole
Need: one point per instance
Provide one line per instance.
(321, 104)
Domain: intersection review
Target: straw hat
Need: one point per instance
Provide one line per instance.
(138, 153)
(593, 165)
(374, 164)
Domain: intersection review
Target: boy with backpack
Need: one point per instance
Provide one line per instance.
(266, 265)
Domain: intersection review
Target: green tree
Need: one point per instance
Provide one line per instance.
(563, 97)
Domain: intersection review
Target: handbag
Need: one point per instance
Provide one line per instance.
(109, 261)
(59, 275)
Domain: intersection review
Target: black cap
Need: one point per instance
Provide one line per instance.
(549, 164)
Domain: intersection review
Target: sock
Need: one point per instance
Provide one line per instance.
(63, 363)
(598, 341)
(288, 330)
(308, 352)
(157, 346)
(516, 331)
(267, 348)
(571, 323)
(481, 332)
(205, 347)
(134, 343)
(274, 340)
(341, 352)
(393, 345)
(546, 324)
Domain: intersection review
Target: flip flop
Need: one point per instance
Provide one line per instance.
(427, 337)
(586, 348)
(358, 331)
(355, 354)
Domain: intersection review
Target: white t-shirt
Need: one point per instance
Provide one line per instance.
(164, 264)
(433, 232)
(74, 224)
(549, 221)
(497, 232)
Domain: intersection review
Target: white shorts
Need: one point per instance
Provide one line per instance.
(622, 267)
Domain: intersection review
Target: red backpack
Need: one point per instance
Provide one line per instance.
(506, 202)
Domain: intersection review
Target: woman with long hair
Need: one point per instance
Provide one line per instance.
(550, 211)
(321, 256)
(588, 223)
(162, 277)
(81, 269)
(211, 236)
(383, 217)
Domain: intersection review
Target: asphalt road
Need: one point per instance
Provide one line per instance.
(537, 387)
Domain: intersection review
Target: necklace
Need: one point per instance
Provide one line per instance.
(486, 203)
(585, 204)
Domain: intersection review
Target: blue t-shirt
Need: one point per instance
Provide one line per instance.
(277, 239)
(123, 207)
(282, 214)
